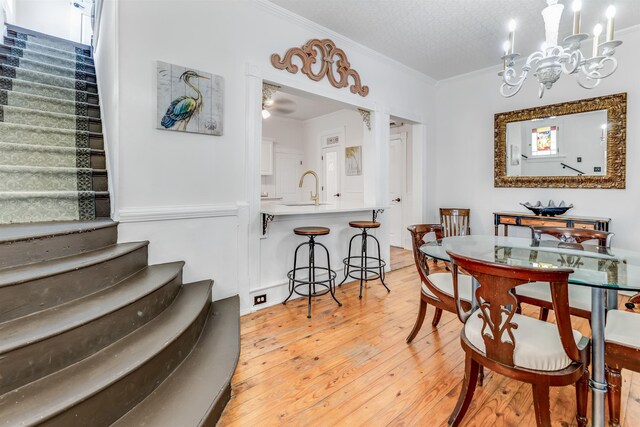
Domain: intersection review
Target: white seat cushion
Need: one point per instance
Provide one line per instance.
(623, 327)
(444, 282)
(579, 296)
(538, 344)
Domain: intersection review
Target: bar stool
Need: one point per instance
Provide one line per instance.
(363, 265)
(327, 285)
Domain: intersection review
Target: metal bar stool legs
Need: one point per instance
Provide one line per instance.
(308, 286)
(364, 267)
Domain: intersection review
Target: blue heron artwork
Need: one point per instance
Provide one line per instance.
(189, 100)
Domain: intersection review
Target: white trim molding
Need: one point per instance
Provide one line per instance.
(169, 213)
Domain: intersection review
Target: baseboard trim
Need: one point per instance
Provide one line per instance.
(169, 213)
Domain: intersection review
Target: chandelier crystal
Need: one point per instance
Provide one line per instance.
(553, 59)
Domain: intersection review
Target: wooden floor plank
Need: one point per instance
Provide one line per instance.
(351, 366)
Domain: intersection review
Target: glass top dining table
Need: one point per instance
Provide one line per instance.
(604, 270)
(609, 268)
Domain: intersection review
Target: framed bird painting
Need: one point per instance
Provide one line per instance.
(189, 100)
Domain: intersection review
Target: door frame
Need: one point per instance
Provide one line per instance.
(404, 195)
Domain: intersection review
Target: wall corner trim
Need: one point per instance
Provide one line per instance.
(169, 213)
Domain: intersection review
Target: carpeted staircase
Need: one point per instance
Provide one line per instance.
(52, 159)
(90, 334)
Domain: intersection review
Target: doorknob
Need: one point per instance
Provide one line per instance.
(336, 195)
(396, 200)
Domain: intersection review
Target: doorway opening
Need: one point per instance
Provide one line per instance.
(401, 191)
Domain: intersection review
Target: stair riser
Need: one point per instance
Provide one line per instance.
(34, 47)
(45, 357)
(18, 134)
(31, 88)
(12, 98)
(25, 298)
(48, 69)
(46, 248)
(131, 390)
(47, 79)
(24, 157)
(39, 209)
(35, 118)
(47, 40)
(47, 59)
(11, 180)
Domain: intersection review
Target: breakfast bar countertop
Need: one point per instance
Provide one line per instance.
(306, 208)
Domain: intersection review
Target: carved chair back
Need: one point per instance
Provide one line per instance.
(417, 238)
(455, 221)
(498, 303)
(573, 235)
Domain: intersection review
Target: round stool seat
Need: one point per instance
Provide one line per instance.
(311, 231)
(364, 224)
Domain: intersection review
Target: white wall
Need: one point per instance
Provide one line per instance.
(466, 108)
(54, 17)
(169, 183)
(288, 137)
(351, 122)
(7, 12)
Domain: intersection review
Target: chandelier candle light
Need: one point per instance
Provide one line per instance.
(553, 59)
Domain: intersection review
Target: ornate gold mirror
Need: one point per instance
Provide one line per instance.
(578, 144)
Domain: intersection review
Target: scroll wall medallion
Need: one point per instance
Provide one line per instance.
(329, 55)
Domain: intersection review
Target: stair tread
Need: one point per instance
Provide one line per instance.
(41, 325)
(48, 98)
(57, 130)
(52, 148)
(31, 231)
(53, 169)
(48, 113)
(8, 37)
(36, 84)
(42, 399)
(4, 194)
(202, 376)
(38, 34)
(48, 65)
(70, 86)
(35, 52)
(16, 275)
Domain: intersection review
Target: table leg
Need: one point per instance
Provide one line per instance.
(598, 382)
(474, 301)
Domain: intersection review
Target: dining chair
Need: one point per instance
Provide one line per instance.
(437, 288)
(455, 221)
(622, 351)
(539, 294)
(522, 348)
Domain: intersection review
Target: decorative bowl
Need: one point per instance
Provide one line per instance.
(550, 210)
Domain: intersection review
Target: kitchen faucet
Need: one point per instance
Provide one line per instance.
(316, 197)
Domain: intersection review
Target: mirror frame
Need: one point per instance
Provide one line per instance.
(616, 106)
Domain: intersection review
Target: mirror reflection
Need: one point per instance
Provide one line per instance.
(567, 145)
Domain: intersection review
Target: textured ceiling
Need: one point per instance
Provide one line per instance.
(445, 38)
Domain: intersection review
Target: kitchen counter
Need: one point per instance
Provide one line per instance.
(304, 208)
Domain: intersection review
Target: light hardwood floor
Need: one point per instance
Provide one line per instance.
(350, 366)
(401, 258)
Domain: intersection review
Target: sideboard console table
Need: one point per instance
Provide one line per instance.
(524, 219)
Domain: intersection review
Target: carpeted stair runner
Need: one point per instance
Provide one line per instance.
(52, 160)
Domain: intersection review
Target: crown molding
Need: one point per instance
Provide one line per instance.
(327, 33)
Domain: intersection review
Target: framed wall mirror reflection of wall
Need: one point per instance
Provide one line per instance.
(578, 144)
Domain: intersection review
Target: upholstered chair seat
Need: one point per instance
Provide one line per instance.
(444, 283)
(623, 327)
(538, 344)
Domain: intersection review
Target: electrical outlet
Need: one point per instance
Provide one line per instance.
(597, 169)
(259, 299)
(579, 159)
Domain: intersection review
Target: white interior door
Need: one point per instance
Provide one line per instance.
(397, 186)
(288, 171)
(331, 173)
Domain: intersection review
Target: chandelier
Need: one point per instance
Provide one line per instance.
(553, 59)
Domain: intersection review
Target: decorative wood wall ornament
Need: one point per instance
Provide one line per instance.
(329, 55)
(366, 117)
(268, 90)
